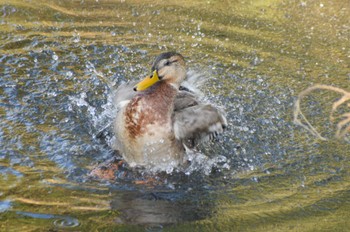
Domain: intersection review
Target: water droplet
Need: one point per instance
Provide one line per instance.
(69, 74)
(171, 186)
(76, 39)
(256, 61)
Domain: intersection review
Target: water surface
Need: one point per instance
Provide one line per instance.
(60, 61)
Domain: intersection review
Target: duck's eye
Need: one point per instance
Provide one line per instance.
(167, 63)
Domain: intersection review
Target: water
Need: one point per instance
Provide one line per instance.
(61, 60)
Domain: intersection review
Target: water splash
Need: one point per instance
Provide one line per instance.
(80, 115)
(204, 164)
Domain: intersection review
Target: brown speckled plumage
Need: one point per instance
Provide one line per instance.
(155, 105)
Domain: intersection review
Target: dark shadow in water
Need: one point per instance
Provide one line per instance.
(161, 208)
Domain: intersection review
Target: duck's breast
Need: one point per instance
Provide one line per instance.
(145, 133)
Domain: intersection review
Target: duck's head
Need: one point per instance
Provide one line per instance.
(169, 67)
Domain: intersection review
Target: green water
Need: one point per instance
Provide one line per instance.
(59, 60)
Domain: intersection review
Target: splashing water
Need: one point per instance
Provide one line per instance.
(101, 119)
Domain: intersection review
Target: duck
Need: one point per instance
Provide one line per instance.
(159, 120)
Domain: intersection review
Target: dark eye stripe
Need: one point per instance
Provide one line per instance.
(170, 62)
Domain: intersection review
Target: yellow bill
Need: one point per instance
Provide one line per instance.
(147, 82)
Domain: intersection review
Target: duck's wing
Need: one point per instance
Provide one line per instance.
(124, 93)
(121, 97)
(196, 122)
(184, 99)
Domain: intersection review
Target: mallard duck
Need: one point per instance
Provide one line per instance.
(159, 119)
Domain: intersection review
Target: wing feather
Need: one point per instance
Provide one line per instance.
(199, 123)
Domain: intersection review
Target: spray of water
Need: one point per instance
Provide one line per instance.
(101, 119)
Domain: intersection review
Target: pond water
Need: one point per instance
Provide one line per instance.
(61, 60)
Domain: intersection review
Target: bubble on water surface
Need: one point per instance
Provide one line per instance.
(66, 222)
(60, 221)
